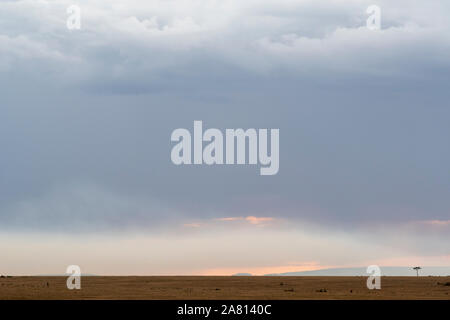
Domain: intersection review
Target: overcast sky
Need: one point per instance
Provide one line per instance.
(86, 117)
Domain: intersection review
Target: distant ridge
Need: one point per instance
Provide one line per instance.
(64, 275)
(243, 274)
(361, 271)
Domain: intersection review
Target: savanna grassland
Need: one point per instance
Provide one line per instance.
(198, 287)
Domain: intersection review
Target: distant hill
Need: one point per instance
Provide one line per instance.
(64, 275)
(361, 271)
(242, 274)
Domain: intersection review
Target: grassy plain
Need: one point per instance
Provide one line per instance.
(197, 287)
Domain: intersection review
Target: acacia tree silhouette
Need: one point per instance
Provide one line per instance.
(417, 270)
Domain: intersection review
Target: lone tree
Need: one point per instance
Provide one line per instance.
(417, 270)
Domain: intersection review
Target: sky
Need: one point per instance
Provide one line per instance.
(86, 118)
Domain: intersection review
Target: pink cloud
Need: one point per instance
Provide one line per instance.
(440, 223)
(230, 219)
(192, 225)
(436, 260)
(250, 219)
(258, 220)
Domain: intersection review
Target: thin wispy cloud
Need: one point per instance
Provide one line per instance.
(438, 223)
(250, 219)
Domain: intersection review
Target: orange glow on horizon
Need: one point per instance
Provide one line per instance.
(259, 271)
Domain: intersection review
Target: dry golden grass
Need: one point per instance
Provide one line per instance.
(225, 288)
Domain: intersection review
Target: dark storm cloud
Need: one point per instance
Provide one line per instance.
(86, 116)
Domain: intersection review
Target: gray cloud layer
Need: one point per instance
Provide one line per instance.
(363, 115)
